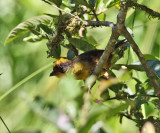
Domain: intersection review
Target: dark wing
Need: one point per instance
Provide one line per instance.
(89, 56)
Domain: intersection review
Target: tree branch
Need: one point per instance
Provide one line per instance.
(149, 72)
(151, 12)
(98, 23)
(116, 31)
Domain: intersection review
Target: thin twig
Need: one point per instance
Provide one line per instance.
(122, 98)
(5, 124)
(59, 9)
(130, 96)
(94, 13)
(87, 22)
(127, 116)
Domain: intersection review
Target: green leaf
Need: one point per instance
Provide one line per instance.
(57, 2)
(82, 2)
(70, 55)
(91, 40)
(150, 57)
(81, 44)
(98, 2)
(92, 117)
(25, 27)
(105, 1)
(120, 119)
(153, 64)
(139, 101)
(101, 112)
(33, 38)
(55, 52)
(113, 3)
(35, 31)
(101, 17)
(51, 15)
(66, 83)
(149, 108)
(92, 3)
(46, 29)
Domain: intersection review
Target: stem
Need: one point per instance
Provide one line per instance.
(24, 81)
(5, 124)
(94, 13)
(127, 116)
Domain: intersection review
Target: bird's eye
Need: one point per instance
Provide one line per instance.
(59, 69)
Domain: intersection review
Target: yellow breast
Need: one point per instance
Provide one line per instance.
(81, 70)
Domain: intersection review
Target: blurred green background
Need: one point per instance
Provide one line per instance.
(50, 105)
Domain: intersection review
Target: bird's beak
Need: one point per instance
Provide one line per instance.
(52, 73)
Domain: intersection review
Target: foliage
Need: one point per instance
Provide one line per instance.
(34, 25)
(126, 99)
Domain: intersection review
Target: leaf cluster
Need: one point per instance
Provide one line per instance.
(65, 31)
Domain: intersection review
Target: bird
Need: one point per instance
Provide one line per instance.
(83, 65)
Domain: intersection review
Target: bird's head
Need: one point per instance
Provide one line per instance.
(60, 67)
